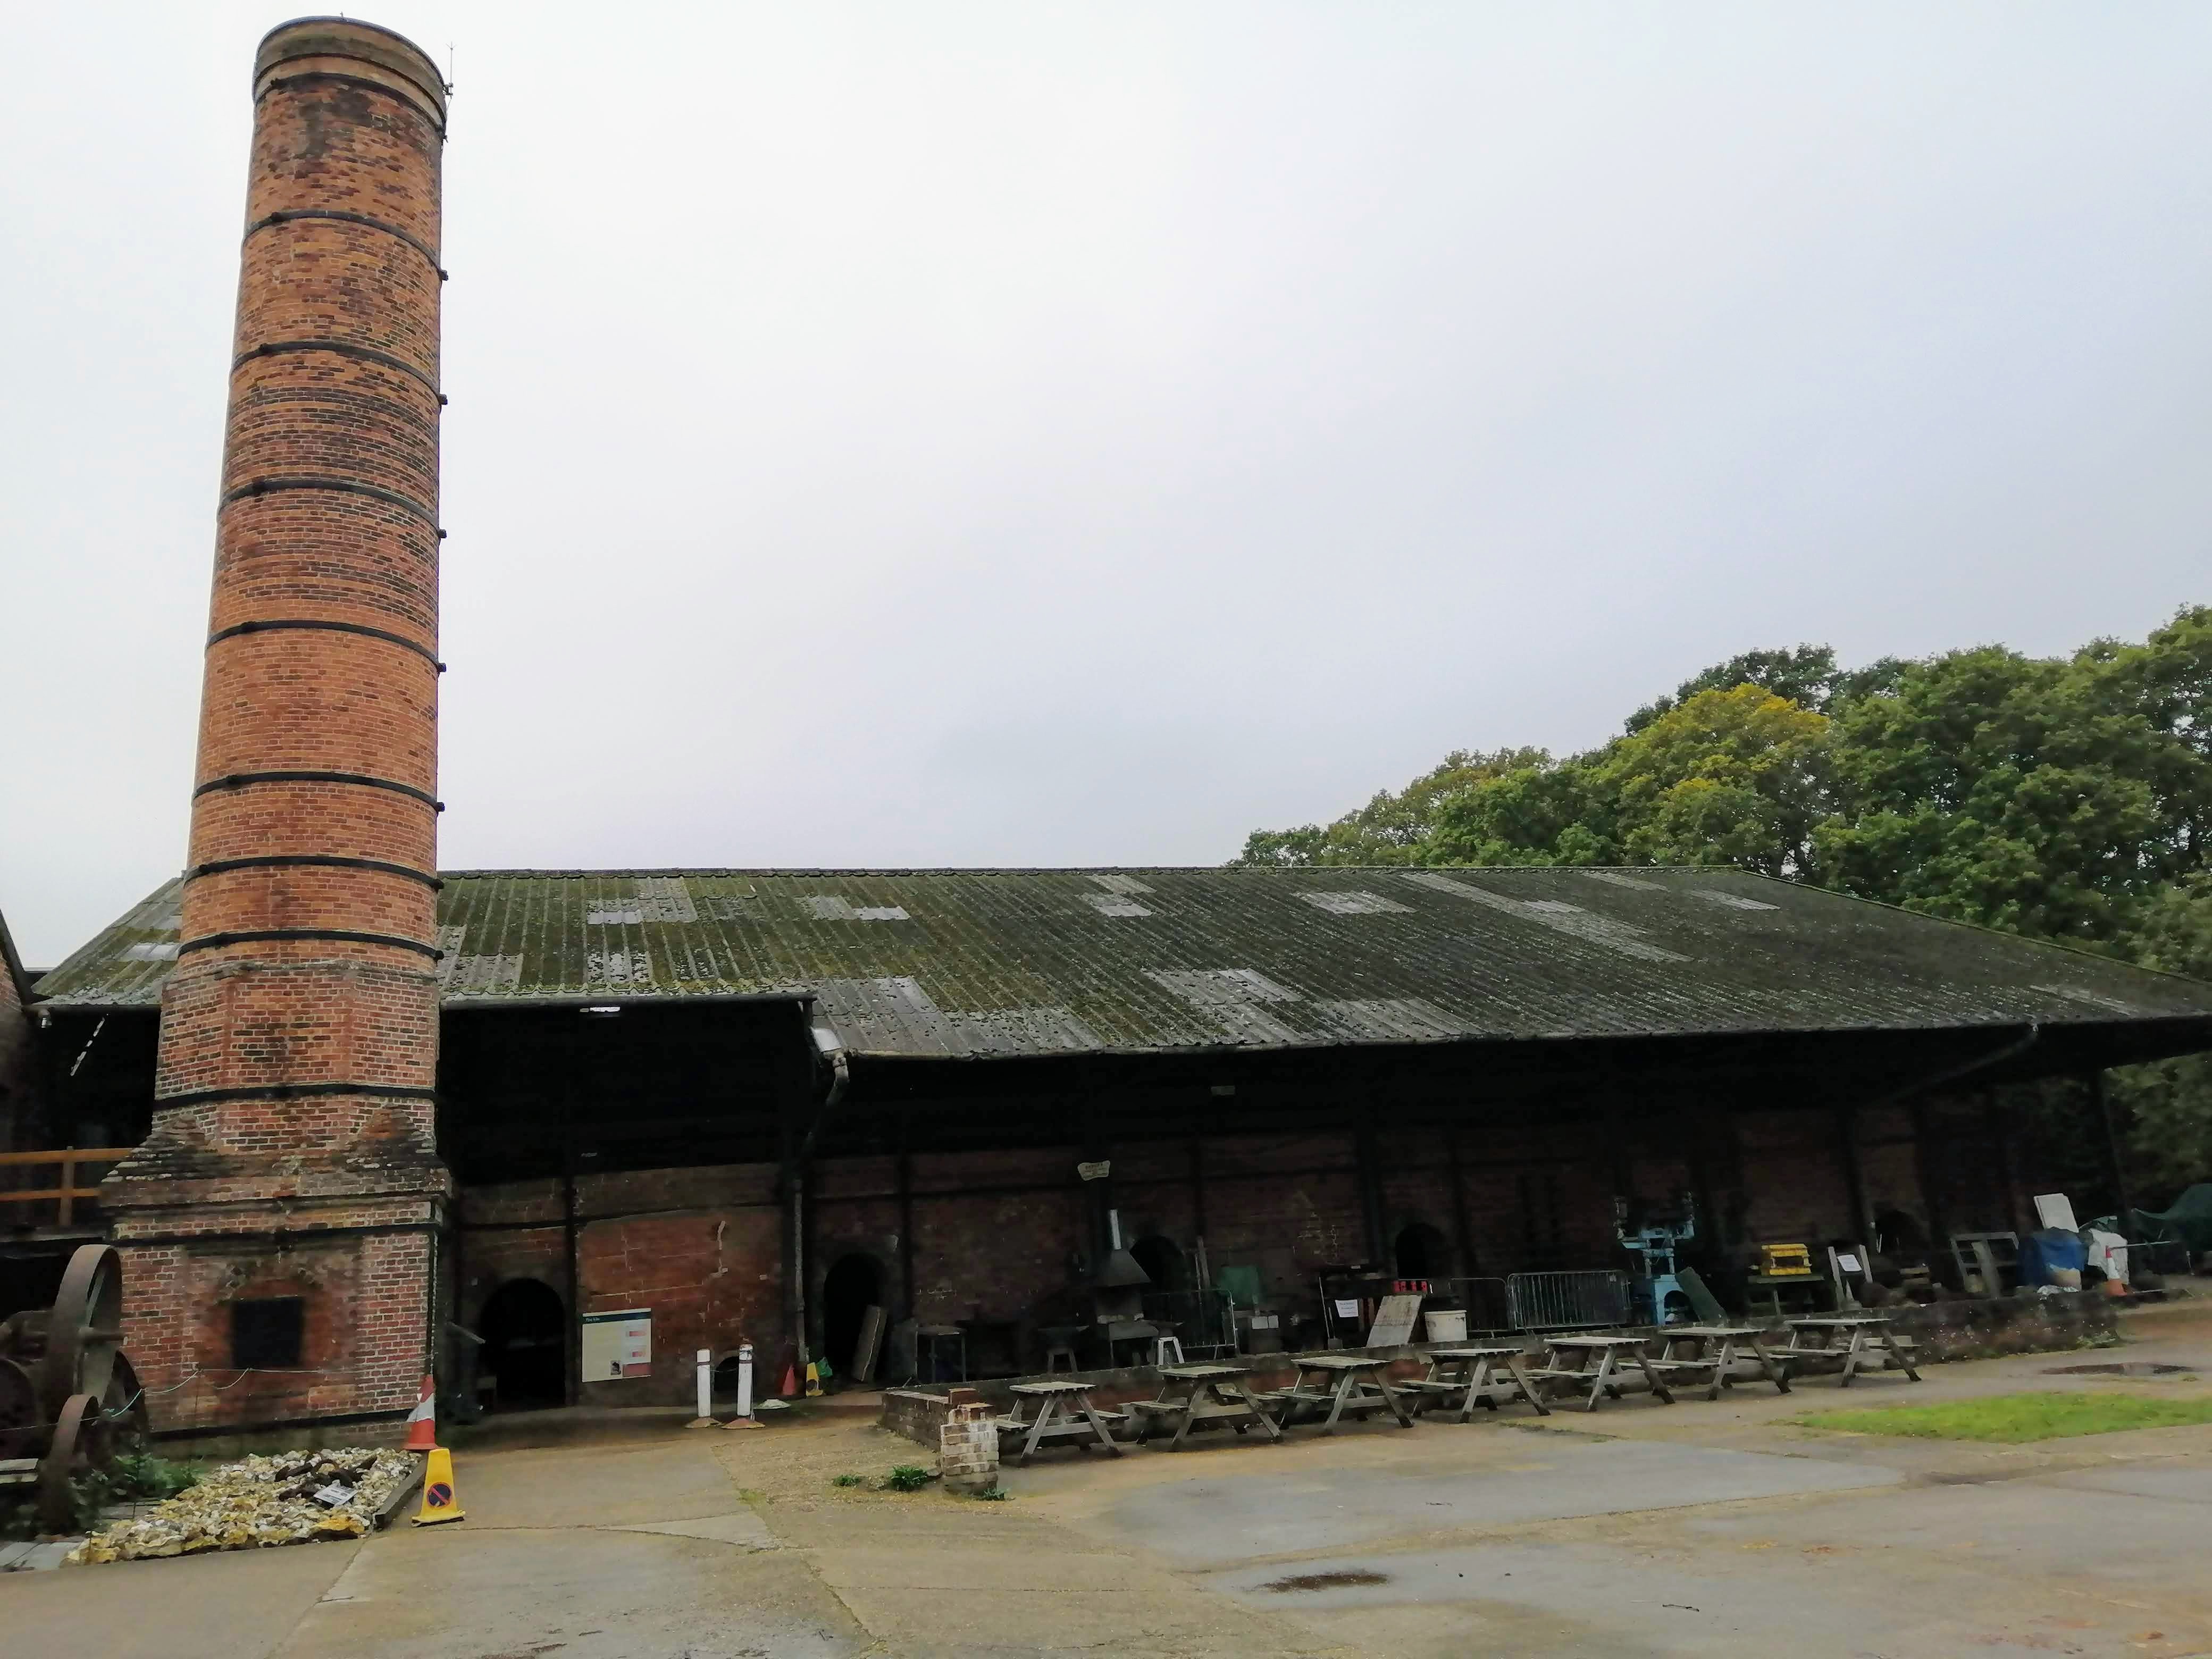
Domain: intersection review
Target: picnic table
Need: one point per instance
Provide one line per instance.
(1600, 1363)
(1341, 1381)
(1466, 1372)
(1717, 1348)
(1056, 1406)
(1201, 1396)
(1845, 1337)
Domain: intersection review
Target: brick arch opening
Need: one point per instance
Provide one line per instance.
(1421, 1251)
(525, 1327)
(853, 1284)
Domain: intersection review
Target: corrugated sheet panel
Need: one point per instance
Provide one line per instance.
(984, 962)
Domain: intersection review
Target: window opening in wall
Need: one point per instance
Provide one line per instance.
(266, 1332)
(853, 1284)
(525, 1350)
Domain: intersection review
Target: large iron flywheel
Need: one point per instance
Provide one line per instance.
(84, 1332)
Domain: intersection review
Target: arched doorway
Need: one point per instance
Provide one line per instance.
(1422, 1252)
(853, 1284)
(525, 1331)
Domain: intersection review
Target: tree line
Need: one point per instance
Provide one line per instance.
(2064, 798)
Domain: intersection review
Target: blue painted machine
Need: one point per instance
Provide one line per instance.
(1655, 1293)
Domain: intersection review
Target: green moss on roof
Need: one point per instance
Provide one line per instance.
(1043, 961)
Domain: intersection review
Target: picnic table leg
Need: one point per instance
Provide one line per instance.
(1046, 1411)
(1722, 1362)
(1189, 1416)
(1520, 1381)
(1337, 1397)
(1598, 1378)
(1852, 1355)
(1777, 1371)
(1477, 1375)
(1097, 1425)
(1652, 1376)
(1397, 1406)
(1896, 1352)
(1259, 1413)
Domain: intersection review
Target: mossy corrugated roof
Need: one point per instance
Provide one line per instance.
(985, 962)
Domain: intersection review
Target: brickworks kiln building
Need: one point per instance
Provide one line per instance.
(367, 1098)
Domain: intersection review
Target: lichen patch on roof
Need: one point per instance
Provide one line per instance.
(994, 961)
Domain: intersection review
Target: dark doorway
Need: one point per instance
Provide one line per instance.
(1162, 1259)
(853, 1284)
(1422, 1252)
(524, 1328)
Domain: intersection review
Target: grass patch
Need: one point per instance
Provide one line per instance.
(2012, 1418)
(848, 1479)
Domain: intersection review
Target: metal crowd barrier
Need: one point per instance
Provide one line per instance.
(1567, 1301)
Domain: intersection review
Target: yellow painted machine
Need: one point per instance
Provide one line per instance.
(1786, 1261)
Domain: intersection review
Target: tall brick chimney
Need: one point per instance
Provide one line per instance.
(281, 1220)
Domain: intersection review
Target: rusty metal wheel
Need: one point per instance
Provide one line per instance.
(21, 1420)
(124, 1405)
(85, 1330)
(80, 1444)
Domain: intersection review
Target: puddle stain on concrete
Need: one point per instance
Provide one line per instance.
(1321, 1581)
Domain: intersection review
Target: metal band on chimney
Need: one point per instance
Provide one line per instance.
(295, 1092)
(363, 353)
(287, 216)
(244, 780)
(343, 486)
(385, 635)
(331, 935)
(315, 861)
(275, 82)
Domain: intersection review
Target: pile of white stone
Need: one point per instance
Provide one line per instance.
(258, 1503)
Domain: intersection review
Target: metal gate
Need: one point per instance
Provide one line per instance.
(1569, 1301)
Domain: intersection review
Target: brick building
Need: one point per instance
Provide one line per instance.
(701, 1093)
(367, 1101)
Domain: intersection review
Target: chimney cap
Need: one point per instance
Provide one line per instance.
(349, 38)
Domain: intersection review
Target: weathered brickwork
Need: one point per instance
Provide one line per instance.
(293, 1147)
(998, 1235)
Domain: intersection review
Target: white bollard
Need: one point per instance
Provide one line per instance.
(705, 1416)
(744, 1381)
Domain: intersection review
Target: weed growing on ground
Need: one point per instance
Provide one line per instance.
(848, 1479)
(2012, 1418)
(907, 1477)
(995, 1495)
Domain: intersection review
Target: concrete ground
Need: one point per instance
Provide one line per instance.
(1711, 1528)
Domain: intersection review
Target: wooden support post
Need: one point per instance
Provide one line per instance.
(1924, 1160)
(906, 1217)
(1370, 1192)
(2000, 1132)
(2116, 1162)
(1463, 1235)
(1847, 1149)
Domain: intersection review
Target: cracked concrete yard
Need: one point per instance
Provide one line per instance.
(1642, 1530)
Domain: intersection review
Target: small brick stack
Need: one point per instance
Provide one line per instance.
(293, 1152)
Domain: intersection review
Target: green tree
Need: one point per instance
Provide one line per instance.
(1392, 827)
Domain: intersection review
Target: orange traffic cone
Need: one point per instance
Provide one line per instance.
(422, 1421)
(790, 1389)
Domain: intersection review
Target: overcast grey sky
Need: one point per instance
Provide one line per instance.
(968, 434)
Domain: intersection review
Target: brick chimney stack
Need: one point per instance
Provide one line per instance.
(292, 1171)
